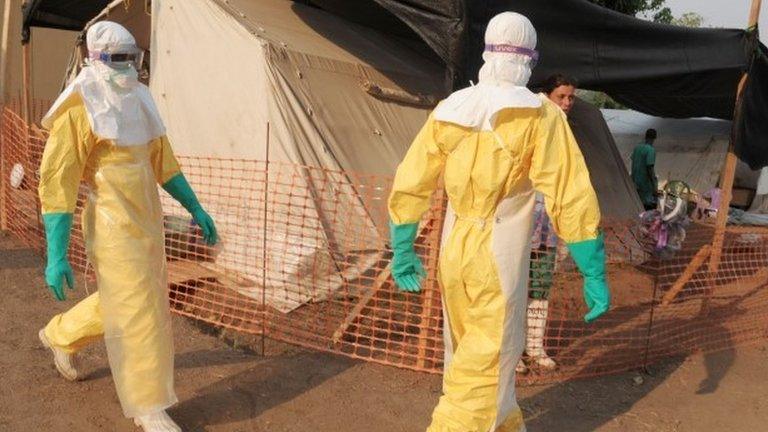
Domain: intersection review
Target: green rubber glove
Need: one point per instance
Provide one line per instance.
(589, 256)
(181, 191)
(406, 265)
(57, 228)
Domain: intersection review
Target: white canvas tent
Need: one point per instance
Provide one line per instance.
(330, 94)
(221, 71)
(246, 63)
(691, 150)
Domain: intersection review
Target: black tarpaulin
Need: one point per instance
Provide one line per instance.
(60, 14)
(752, 123)
(662, 70)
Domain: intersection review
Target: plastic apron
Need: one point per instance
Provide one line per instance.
(123, 230)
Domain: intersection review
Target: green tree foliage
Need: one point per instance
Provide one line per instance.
(651, 8)
(654, 9)
(689, 19)
(599, 99)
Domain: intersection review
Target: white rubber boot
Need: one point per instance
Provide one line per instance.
(537, 325)
(63, 361)
(157, 422)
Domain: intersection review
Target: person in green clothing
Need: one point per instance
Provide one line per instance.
(643, 174)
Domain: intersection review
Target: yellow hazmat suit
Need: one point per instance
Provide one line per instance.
(123, 229)
(494, 143)
(490, 177)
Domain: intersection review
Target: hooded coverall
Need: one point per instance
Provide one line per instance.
(123, 230)
(490, 177)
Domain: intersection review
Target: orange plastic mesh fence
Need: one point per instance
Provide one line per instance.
(304, 259)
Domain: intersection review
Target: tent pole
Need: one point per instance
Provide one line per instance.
(264, 246)
(27, 107)
(3, 84)
(27, 83)
(729, 169)
(4, 50)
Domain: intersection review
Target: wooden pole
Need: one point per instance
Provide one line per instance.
(381, 279)
(688, 273)
(27, 83)
(4, 50)
(377, 285)
(27, 105)
(264, 246)
(3, 84)
(729, 170)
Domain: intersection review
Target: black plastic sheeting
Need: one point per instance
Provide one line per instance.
(657, 69)
(751, 123)
(60, 14)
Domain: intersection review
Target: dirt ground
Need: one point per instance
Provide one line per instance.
(226, 389)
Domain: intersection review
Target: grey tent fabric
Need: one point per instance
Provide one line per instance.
(609, 175)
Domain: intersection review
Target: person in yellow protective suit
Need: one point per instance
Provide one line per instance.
(495, 143)
(105, 130)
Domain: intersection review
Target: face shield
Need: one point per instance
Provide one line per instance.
(114, 46)
(119, 60)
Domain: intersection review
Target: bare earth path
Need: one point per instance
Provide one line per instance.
(226, 390)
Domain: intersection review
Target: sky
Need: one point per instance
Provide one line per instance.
(722, 13)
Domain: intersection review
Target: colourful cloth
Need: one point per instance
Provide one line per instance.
(543, 234)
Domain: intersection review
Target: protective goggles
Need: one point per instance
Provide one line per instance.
(513, 49)
(119, 59)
